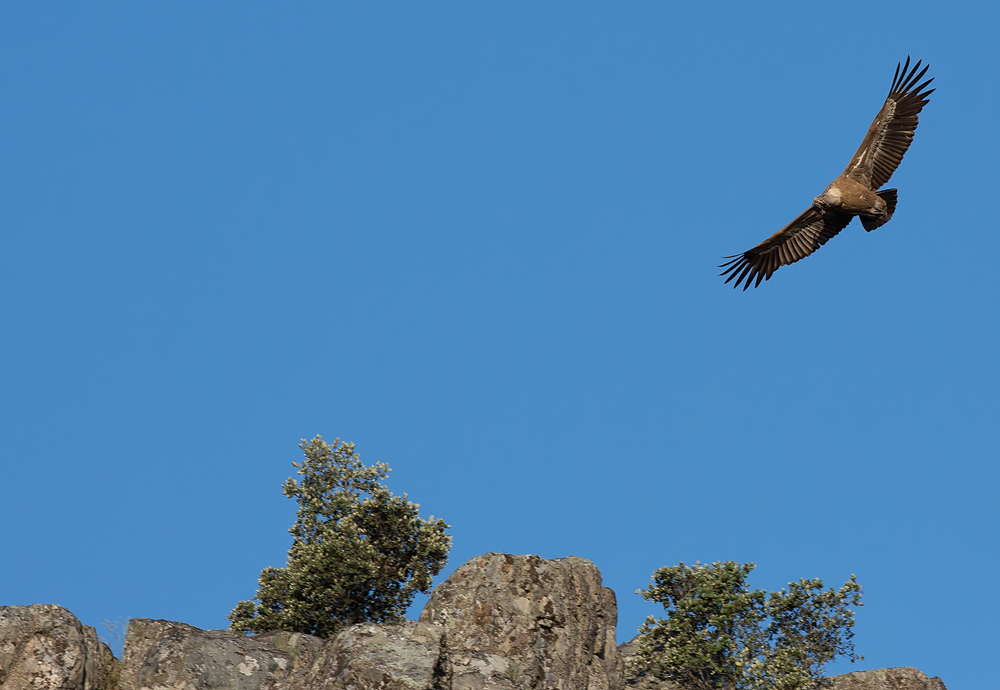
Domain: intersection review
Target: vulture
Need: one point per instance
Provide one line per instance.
(855, 193)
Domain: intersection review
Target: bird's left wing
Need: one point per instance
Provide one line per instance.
(891, 134)
(797, 240)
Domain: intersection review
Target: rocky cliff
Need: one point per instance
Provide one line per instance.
(500, 622)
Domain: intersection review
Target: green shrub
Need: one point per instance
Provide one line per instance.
(720, 634)
(359, 553)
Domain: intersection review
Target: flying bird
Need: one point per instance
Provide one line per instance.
(854, 193)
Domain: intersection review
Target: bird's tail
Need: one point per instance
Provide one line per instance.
(889, 197)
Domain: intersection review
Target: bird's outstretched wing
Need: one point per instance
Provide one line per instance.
(892, 131)
(797, 240)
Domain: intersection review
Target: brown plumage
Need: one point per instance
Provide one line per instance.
(854, 193)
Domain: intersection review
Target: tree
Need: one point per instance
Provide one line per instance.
(359, 553)
(720, 634)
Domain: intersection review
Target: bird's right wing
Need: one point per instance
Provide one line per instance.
(797, 240)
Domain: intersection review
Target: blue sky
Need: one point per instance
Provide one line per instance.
(480, 241)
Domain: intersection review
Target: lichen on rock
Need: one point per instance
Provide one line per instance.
(163, 655)
(45, 647)
(552, 622)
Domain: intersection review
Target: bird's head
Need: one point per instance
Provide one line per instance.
(827, 199)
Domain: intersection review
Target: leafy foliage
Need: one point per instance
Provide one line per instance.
(359, 553)
(720, 634)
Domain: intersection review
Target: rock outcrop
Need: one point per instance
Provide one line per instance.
(523, 621)
(500, 622)
(163, 655)
(44, 646)
(903, 678)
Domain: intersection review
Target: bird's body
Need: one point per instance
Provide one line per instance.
(854, 193)
(849, 196)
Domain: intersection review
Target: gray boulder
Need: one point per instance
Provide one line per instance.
(44, 646)
(903, 678)
(163, 655)
(378, 657)
(526, 622)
